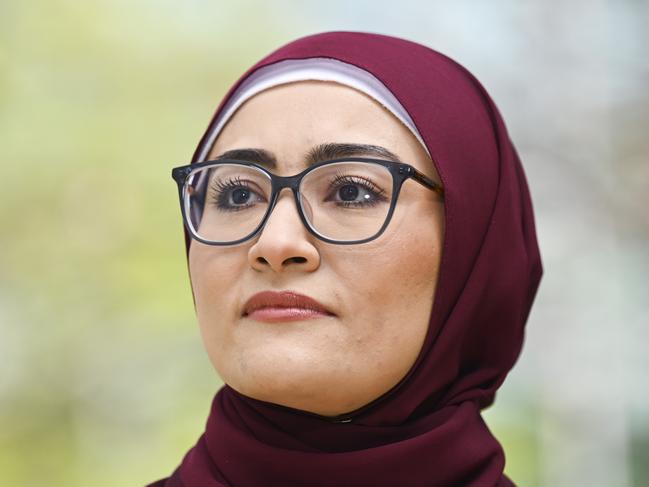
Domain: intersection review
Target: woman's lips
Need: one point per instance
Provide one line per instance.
(273, 307)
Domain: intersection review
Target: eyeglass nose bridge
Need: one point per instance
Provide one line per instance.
(278, 183)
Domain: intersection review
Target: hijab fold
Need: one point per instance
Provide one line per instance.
(427, 430)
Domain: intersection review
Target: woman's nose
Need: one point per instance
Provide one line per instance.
(284, 243)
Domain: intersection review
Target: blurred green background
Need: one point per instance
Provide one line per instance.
(103, 378)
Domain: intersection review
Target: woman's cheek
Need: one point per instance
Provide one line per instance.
(369, 288)
(217, 280)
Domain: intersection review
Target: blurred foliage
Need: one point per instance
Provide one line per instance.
(99, 101)
(103, 378)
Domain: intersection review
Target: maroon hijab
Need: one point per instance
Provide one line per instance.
(427, 430)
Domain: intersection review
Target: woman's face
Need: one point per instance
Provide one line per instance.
(379, 293)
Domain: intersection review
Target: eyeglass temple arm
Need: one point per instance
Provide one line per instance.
(421, 178)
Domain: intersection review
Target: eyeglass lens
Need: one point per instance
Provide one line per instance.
(343, 201)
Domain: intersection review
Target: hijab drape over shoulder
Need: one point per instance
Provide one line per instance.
(427, 430)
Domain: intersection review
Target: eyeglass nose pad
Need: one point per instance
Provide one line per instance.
(306, 208)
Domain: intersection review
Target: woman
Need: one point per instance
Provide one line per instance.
(363, 259)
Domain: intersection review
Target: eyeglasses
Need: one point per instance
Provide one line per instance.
(341, 201)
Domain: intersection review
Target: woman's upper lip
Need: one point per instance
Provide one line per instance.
(282, 299)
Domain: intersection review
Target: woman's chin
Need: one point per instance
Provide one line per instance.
(306, 391)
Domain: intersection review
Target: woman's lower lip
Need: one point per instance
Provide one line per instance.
(275, 315)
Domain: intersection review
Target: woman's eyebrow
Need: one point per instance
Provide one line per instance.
(318, 153)
(260, 156)
(328, 151)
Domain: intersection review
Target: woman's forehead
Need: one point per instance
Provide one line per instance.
(312, 121)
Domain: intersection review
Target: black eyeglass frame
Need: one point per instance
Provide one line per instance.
(400, 172)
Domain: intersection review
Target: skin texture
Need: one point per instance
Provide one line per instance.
(381, 292)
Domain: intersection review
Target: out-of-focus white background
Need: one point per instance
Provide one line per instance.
(103, 378)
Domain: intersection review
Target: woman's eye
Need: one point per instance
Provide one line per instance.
(349, 191)
(240, 196)
(234, 196)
